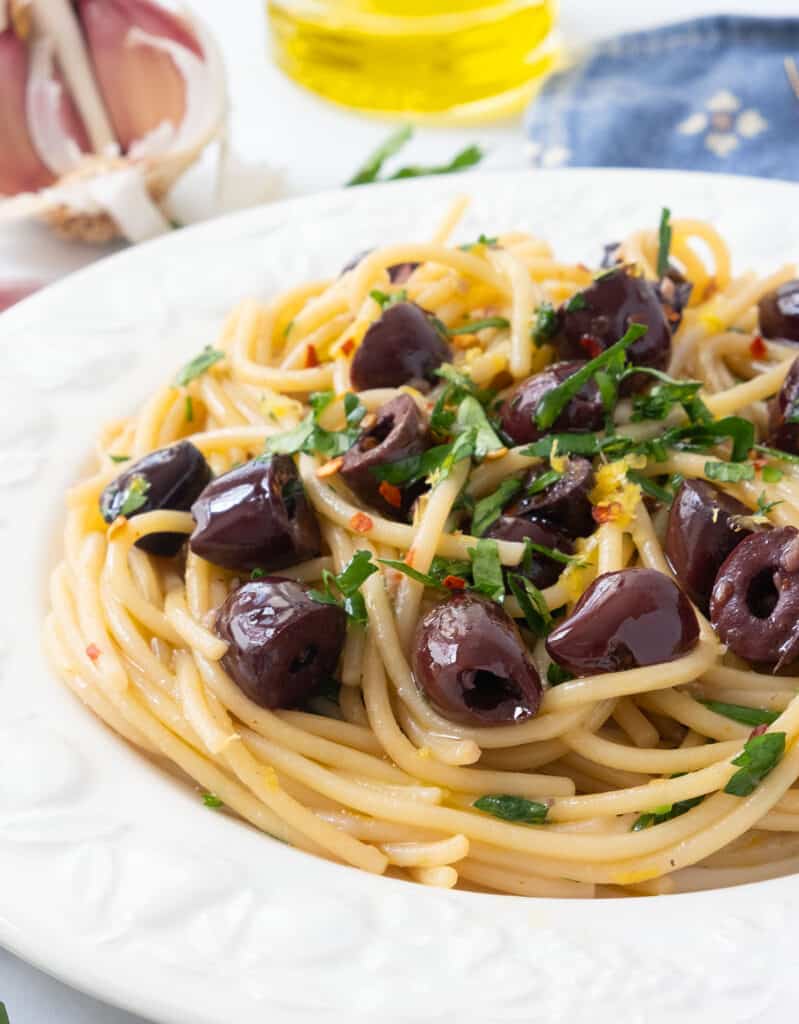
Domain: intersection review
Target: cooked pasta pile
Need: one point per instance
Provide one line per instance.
(616, 786)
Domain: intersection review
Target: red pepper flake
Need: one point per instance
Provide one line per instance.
(454, 583)
(361, 522)
(591, 345)
(93, 652)
(606, 513)
(390, 494)
(311, 357)
(348, 346)
(757, 348)
(758, 731)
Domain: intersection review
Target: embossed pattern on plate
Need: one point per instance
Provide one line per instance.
(117, 878)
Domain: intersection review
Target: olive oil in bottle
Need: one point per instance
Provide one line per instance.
(463, 57)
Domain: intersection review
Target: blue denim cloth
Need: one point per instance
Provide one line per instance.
(711, 94)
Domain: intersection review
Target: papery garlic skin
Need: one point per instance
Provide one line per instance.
(139, 52)
(55, 125)
(21, 167)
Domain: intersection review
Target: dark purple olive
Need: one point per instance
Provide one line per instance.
(783, 433)
(624, 620)
(542, 571)
(564, 504)
(471, 663)
(398, 432)
(282, 643)
(597, 317)
(171, 478)
(398, 273)
(704, 526)
(402, 346)
(674, 291)
(779, 312)
(584, 413)
(755, 604)
(256, 517)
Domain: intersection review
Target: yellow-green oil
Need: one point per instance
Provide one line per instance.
(473, 57)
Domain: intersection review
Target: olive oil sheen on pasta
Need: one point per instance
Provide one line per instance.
(466, 57)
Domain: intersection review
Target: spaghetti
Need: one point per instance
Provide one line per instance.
(620, 782)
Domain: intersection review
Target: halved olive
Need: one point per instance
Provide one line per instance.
(784, 413)
(584, 412)
(562, 505)
(401, 347)
(543, 571)
(779, 312)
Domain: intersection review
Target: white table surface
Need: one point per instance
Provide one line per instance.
(305, 145)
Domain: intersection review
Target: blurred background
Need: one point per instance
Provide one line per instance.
(313, 87)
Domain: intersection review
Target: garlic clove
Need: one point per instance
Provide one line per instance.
(142, 84)
(56, 128)
(21, 167)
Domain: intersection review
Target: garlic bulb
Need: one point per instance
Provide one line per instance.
(103, 105)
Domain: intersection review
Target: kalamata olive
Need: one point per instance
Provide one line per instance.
(471, 663)
(584, 413)
(704, 526)
(779, 312)
(171, 478)
(398, 273)
(256, 517)
(398, 433)
(564, 504)
(402, 346)
(755, 603)
(597, 317)
(783, 433)
(542, 571)
(282, 643)
(625, 620)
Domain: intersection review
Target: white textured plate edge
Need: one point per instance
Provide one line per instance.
(118, 881)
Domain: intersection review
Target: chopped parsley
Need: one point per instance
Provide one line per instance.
(556, 674)
(771, 475)
(760, 755)
(344, 589)
(487, 510)
(658, 402)
(776, 453)
(370, 170)
(650, 487)
(576, 303)
(387, 299)
(513, 808)
(764, 506)
(487, 570)
(665, 813)
(189, 409)
(545, 324)
(739, 713)
(212, 800)
(457, 387)
(481, 240)
(729, 472)
(126, 458)
(532, 603)
(542, 482)
(554, 401)
(466, 158)
(471, 416)
(311, 438)
(199, 365)
(135, 495)
(664, 242)
(479, 325)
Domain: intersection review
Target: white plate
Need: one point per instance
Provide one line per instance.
(119, 880)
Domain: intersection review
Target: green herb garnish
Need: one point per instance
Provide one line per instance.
(764, 506)
(466, 158)
(532, 603)
(119, 458)
(760, 755)
(665, 813)
(374, 163)
(199, 365)
(487, 510)
(135, 496)
(345, 588)
(387, 299)
(664, 242)
(481, 240)
(478, 325)
(211, 800)
(545, 324)
(311, 438)
(648, 486)
(658, 402)
(189, 409)
(513, 808)
(739, 713)
(776, 453)
(554, 401)
(472, 416)
(556, 674)
(729, 472)
(576, 303)
(771, 475)
(487, 570)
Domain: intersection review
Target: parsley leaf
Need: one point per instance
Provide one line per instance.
(564, 444)
(770, 474)
(458, 386)
(760, 755)
(739, 713)
(387, 299)
(466, 158)
(481, 240)
(407, 570)
(478, 325)
(554, 401)
(368, 173)
(648, 486)
(311, 438)
(729, 472)
(126, 458)
(541, 483)
(513, 808)
(199, 365)
(776, 453)
(345, 588)
(763, 506)
(212, 800)
(532, 603)
(657, 403)
(487, 510)
(472, 416)
(545, 325)
(556, 674)
(576, 303)
(487, 570)
(665, 813)
(135, 496)
(664, 242)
